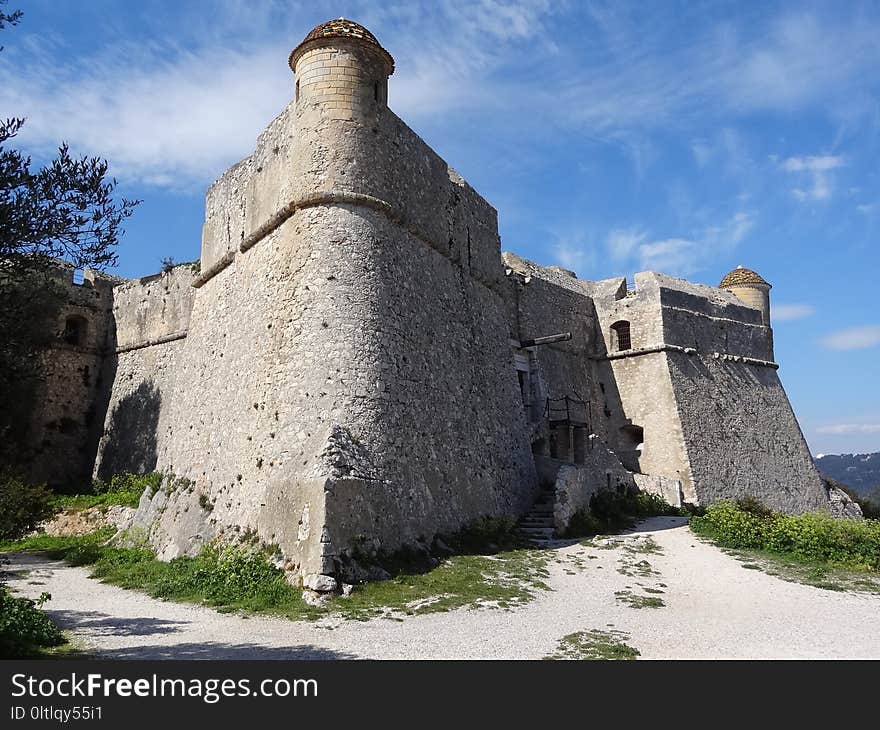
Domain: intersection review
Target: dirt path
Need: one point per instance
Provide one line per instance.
(713, 608)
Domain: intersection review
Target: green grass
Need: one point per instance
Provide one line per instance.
(594, 645)
(814, 538)
(239, 580)
(505, 580)
(634, 600)
(107, 499)
(813, 548)
(819, 574)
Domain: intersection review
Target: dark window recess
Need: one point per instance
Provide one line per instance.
(620, 336)
(75, 331)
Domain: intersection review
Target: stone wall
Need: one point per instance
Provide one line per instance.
(636, 390)
(577, 483)
(151, 318)
(69, 406)
(547, 301)
(347, 377)
(699, 380)
(741, 435)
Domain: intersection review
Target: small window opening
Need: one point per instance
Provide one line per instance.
(74, 331)
(376, 91)
(620, 336)
(296, 91)
(78, 276)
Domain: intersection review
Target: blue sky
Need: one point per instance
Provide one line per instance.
(684, 137)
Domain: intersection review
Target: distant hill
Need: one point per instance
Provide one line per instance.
(861, 472)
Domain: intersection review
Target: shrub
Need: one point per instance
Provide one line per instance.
(611, 511)
(813, 536)
(233, 574)
(129, 482)
(122, 489)
(485, 535)
(22, 506)
(24, 629)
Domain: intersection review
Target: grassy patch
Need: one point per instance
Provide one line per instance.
(809, 572)
(121, 489)
(234, 579)
(813, 537)
(505, 580)
(633, 600)
(594, 645)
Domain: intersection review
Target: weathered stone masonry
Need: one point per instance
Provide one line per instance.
(350, 368)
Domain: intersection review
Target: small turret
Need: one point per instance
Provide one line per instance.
(341, 71)
(751, 289)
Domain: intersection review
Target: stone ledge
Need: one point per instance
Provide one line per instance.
(688, 351)
(330, 198)
(150, 343)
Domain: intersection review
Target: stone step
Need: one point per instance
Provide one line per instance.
(536, 520)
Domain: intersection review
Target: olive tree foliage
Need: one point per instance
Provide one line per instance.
(65, 209)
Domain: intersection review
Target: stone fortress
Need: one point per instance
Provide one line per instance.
(355, 366)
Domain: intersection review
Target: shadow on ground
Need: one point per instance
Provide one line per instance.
(217, 650)
(657, 524)
(101, 624)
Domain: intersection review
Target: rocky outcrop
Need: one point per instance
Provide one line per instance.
(842, 505)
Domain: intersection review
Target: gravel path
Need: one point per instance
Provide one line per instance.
(714, 608)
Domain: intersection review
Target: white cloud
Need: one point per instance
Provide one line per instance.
(855, 338)
(846, 428)
(867, 208)
(678, 256)
(790, 312)
(816, 170)
(622, 242)
(573, 255)
(812, 164)
(178, 112)
(673, 255)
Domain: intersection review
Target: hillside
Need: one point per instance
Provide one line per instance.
(859, 471)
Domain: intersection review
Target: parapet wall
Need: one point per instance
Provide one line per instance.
(151, 317)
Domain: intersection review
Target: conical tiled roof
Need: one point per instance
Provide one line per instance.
(340, 28)
(742, 277)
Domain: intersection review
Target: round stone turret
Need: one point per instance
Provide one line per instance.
(750, 288)
(341, 71)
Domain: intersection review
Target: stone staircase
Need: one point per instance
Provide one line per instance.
(536, 525)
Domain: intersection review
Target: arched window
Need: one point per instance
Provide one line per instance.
(75, 329)
(620, 336)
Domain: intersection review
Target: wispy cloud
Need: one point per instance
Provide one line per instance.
(790, 312)
(868, 208)
(178, 114)
(621, 243)
(847, 428)
(684, 256)
(573, 254)
(817, 170)
(854, 338)
(812, 164)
